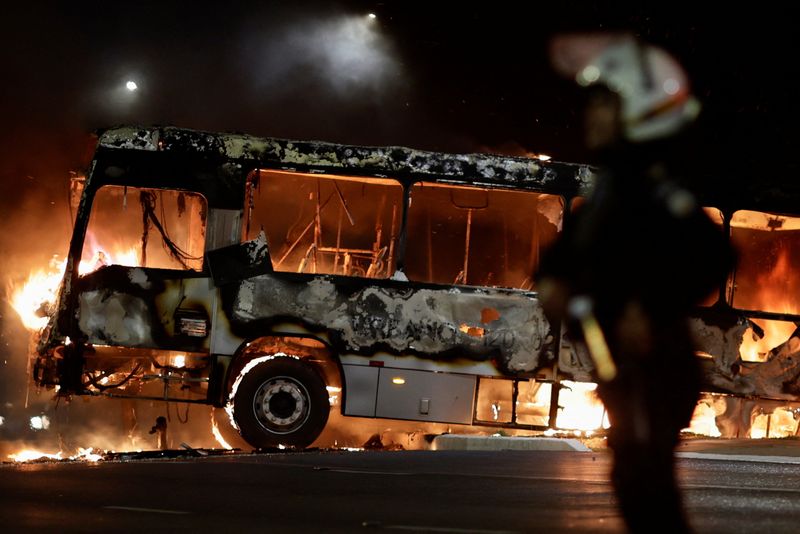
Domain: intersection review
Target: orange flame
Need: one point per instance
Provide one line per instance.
(217, 434)
(33, 298)
(580, 408)
(761, 420)
(775, 333)
(36, 294)
(778, 424)
(704, 420)
(28, 455)
(773, 297)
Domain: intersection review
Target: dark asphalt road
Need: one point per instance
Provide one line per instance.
(417, 491)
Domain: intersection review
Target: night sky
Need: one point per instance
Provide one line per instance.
(448, 78)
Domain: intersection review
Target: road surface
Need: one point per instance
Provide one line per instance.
(376, 491)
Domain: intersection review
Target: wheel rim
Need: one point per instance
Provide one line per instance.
(281, 405)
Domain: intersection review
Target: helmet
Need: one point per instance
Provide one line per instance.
(653, 87)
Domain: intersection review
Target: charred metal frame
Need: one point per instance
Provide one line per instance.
(218, 165)
(552, 408)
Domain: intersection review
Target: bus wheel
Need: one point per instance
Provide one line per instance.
(281, 402)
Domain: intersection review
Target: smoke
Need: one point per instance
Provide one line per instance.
(324, 75)
(343, 54)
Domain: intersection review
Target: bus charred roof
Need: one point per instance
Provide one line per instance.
(404, 164)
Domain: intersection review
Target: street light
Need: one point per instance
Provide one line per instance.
(131, 86)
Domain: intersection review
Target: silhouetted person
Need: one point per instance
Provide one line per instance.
(639, 254)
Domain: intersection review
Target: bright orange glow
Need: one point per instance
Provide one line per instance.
(39, 291)
(86, 455)
(704, 420)
(580, 407)
(33, 298)
(760, 419)
(474, 331)
(217, 434)
(27, 455)
(775, 333)
(771, 297)
(101, 258)
(778, 424)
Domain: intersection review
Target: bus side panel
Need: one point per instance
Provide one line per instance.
(361, 390)
(505, 327)
(423, 396)
(145, 308)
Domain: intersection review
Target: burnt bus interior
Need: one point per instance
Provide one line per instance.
(455, 235)
(118, 235)
(374, 227)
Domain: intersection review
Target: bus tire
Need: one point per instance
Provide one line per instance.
(282, 401)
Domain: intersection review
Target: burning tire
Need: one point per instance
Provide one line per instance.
(281, 401)
(225, 434)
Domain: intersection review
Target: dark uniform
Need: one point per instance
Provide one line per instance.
(644, 252)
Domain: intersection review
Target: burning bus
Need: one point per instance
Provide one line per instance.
(278, 278)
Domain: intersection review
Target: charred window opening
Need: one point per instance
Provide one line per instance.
(498, 402)
(137, 227)
(475, 236)
(766, 276)
(759, 341)
(325, 224)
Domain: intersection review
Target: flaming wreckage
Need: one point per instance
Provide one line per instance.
(279, 278)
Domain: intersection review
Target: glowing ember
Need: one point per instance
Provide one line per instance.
(474, 331)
